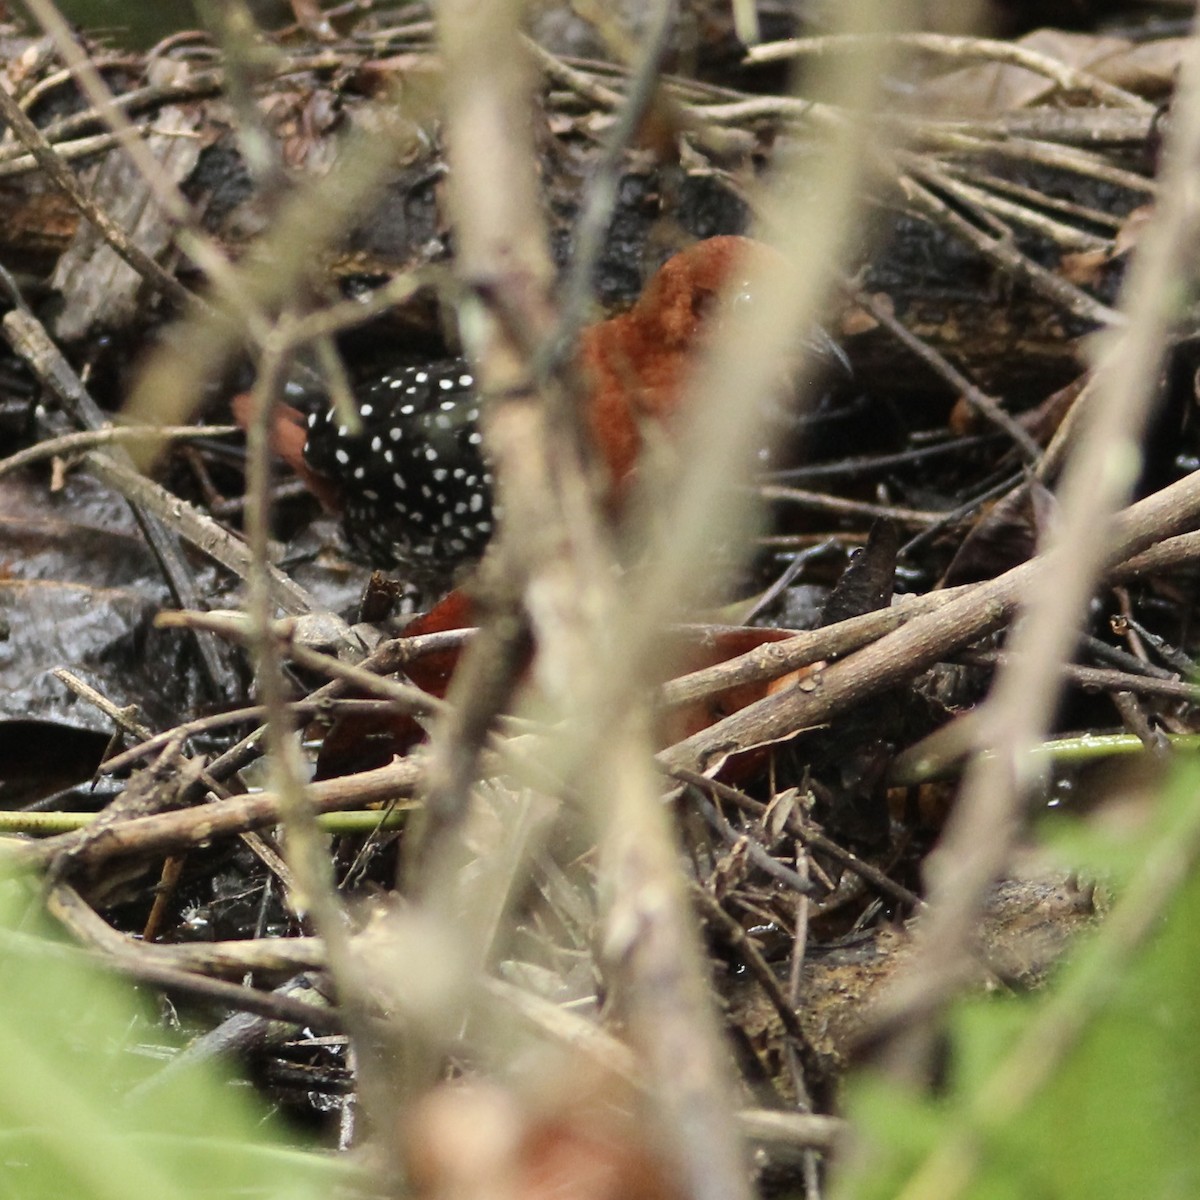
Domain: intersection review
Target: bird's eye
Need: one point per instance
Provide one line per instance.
(743, 294)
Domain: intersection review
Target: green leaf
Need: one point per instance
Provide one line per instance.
(1115, 1114)
(71, 1055)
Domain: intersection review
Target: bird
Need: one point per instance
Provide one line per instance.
(415, 490)
(413, 485)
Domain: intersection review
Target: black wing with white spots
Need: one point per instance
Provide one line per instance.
(416, 490)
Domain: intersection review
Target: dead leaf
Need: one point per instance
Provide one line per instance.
(992, 88)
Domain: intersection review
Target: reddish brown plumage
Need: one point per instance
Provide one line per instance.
(635, 365)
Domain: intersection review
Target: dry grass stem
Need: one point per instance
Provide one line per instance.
(1100, 470)
(1070, 79)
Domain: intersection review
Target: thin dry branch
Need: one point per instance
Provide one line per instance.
(165, 833)
(72, 443)
(1007, 256)
(557, 555)
(917, 645)
(1101, 468)
(1067, 77)
(55, 169)
(33, 344)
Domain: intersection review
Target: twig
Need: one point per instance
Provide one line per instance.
(983, 826)
(404, 696)
(531, 437)
(776, 1130)
(72, 151)
(758, 854)
(956, 516)
(1001, 143)
(812, 838)
(72, 443)
(797, 1131)
(307, 855)
(161, 975)
(1008, 257)
(337, 824)
(751, 955)
(580, 82)
(982, 403)
(33, 344)
(1065, 76)
(923, 641)
(564, 568)
(191, 524)
(145, 837)
(839, 506)
(65, 180)
(988, 187)
(197, 87)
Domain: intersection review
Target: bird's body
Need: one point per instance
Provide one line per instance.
(414, 487)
